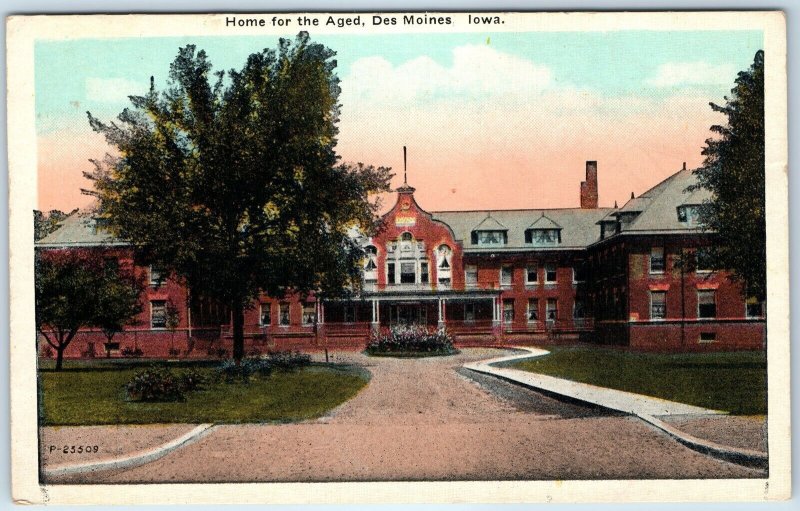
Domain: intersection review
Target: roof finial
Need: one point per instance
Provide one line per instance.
(615, 205)
(684, 165)
(632, 196)
(405, 167)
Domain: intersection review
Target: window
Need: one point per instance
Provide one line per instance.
(506, 275)
(489, 238)
(657, 260)
(658, 305)
(550, 273)
(283, 319)
(706, 304)
(508, 311)
(423, 272)
(406, 242)
(543, 237)
(408, 273)
(552, 310)
(309, 313)
(471, 275)
(532, 274)
(689, 215)
(406, 236)
(578, 309)
(469, 312)
(264, 317)
(579, 273)
(754, 308)
(390, 277)
(533, 310)
(708, 336)
(349, 313)
(444, 256)
(158, 314)
(444, 281)
(157, 275)
(703, 260)
(371, 266)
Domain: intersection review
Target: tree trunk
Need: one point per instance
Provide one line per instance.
(238, 332)
(60, 356)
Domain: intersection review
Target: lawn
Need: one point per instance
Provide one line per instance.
(93, 393)
(732, 381)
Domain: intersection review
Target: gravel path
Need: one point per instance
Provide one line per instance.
(424, 419)
(747, 432)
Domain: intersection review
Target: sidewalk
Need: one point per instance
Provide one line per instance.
(650, 409)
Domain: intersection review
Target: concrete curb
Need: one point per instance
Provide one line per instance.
(132, 460)
(733, 454)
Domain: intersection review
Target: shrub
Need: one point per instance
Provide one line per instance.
(192, 380)
(411, 339)
(129, 352)
(288, 360)
(155, 384)
(218, 352)
(229, 371)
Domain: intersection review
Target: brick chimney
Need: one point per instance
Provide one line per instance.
(589, 187)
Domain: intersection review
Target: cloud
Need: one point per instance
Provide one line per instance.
(477, 71)
(674, 74)
(113, 90)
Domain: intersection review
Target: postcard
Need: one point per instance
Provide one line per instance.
(399, 257)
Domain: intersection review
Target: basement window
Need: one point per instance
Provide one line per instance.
(708, 336)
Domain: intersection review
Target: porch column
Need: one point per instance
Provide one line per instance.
(497, 320)
(375, 316)
(441, 313)
(320, 313)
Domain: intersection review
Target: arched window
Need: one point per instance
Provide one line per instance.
(406, 236)
(371, 264)
(444, 256)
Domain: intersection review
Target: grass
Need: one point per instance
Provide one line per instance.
(732, 381)
(87, 393)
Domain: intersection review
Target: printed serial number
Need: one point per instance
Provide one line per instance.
(74, 449)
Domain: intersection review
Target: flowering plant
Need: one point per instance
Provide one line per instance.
(411, 339)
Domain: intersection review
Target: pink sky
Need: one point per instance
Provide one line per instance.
(460, 170)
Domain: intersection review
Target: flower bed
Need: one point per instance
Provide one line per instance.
(411, 341)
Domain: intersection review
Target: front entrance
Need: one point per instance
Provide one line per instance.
(408, 314)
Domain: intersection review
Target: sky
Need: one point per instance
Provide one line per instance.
(491, 121)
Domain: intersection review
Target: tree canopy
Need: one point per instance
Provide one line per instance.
(235, 185)
(734, 171)
(81, 288)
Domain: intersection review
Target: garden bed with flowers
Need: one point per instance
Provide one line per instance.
(411, 341)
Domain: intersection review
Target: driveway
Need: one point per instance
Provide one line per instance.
(427, 419)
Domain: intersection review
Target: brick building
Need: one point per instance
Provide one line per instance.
(630, 276)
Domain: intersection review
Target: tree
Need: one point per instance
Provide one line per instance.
(77, 289)
(733, 171)
(118, 301)
(45, 224)
(236, 187)
(173, 321)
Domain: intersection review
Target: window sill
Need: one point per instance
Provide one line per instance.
(657, 272)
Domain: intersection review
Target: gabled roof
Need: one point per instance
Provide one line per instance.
(544, 222)
(78, 230)
(490, 224)
(578, 228)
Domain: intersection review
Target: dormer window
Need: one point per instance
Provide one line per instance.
(689, 215)
(543, 237)
(489, 238)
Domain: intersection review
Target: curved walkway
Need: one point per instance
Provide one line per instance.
(647, 408)
(423, 419)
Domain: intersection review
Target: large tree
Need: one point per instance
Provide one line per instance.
(733, 171)
(235, 186)
(81, 288)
